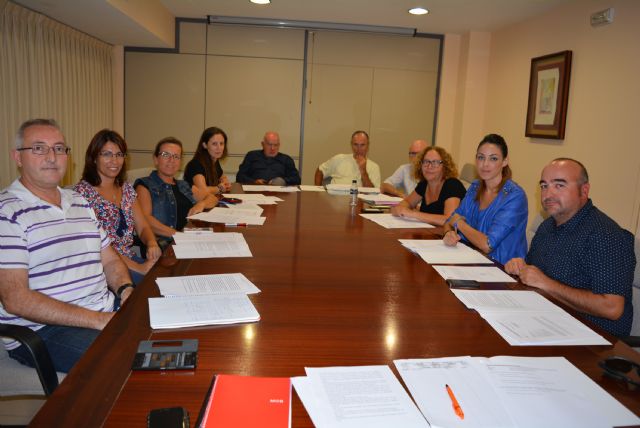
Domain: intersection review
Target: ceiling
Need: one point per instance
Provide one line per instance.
(108, 23)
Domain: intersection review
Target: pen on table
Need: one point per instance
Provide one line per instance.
(454, 403)
(236, 224)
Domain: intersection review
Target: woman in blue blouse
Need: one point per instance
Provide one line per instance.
(493, 214)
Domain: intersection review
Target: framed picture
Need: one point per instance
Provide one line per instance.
(548, 96)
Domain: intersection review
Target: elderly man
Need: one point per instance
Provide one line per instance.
(579, 255)
(403, 182)
(344, 168)
(268, 166)
(56, 264)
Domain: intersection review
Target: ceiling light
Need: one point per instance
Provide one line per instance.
(261, 1)
(418, 11)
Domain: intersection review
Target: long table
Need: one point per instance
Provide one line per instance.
(337, 290)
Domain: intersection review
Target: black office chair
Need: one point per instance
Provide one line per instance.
(20, 396)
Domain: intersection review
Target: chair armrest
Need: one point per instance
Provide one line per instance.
(632, 341)
(39, 353)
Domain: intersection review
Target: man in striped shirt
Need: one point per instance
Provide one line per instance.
(57, 269)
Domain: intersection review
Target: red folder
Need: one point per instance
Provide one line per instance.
(247, 401)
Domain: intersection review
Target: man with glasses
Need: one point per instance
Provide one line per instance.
(56, 265)
(579, 255)
(268, 166)
(344, 168)
(402, 182)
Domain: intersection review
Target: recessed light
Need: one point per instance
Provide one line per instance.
(417, 11)
(261, 1)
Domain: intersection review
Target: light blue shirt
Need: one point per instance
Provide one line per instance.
(504, 221)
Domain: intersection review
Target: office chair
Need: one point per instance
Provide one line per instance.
(634, 339)
(23, 390)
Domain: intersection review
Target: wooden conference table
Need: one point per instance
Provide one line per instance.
(337, 290)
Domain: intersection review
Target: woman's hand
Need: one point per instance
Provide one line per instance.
(153, 252)
(451, 238)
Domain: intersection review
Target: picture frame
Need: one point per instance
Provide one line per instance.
(548, 96)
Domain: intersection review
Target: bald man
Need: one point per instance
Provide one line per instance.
(579, 255)
(268, 166)
(402, 182)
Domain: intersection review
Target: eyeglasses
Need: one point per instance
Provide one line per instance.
(111, 155)
(431, 163)
(619, 367)
(167, 155)
(43, 149)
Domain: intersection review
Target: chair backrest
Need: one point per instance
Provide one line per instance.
(533, 227)
(635, 326)
(468, 174)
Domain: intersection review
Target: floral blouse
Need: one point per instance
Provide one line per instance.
(116, 221)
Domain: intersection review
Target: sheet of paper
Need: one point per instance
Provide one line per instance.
(542, 328)
(189, 311)
(244, 208)
(206, 284)
(208, 249)
(268, 188)
(434, 251)
(310, 188)
(254, 198)
(180, 237)
(505, 301)
(388, 221)
(550, 391)
(426, 380)
(476, 273)
(366, 396)
(226, 215)
(381, 199)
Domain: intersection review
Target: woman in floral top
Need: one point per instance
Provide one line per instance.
(114, 201)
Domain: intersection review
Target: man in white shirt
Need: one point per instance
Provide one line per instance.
(402, 182)
(344, 168)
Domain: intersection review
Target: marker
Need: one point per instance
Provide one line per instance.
(236, 224)
(454, 403)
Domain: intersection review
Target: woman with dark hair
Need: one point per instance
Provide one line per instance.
(204, 172)
(114, 201)
(493, 214)
(438, 188)
(165, 201)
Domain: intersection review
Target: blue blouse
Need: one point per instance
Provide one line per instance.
(504, 221)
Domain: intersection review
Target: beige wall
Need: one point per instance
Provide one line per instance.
(603, 99)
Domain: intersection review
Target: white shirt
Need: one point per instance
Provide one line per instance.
(403, 179)
(343, 169)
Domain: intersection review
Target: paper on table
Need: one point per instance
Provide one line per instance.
(254, 198)
(189, 311)
(381, 199)
(268, 188)
(366, 396)
(475, 273)
(180, 237)
(345, 189)
(310, 188)
(542, 328)
(229, 216)
(206, 284)
(426, 380)
(388, 221)
(244, 208)
(207, 249)
(505, 300)
(434, 251)
(511, 391)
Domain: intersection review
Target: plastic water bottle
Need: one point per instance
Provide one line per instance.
(353, 192)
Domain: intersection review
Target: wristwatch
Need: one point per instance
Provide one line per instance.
(124, 287)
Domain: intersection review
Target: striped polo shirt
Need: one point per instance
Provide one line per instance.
(60, 247)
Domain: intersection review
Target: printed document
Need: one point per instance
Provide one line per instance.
(229, 215)
(214, 245)
(388, 221)
(195, 285)
(380, 199)
(475, 273)
(268, 188)
(510, 392)
(434, 251)
(354, 397)
(254, 198)
(190, 311)
(311, 188)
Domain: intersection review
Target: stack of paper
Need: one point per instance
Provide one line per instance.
(248, 401)
(389, 221)
(367, 396)
(510, 392)
(434, 251)
(254, 198)
(268, 188)
(526, 318)
(345, 189)
(380, 199)
(195, 285)
(193, 246)
(236, 215)
(474, 273)
(310, 188)
(190, 311)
